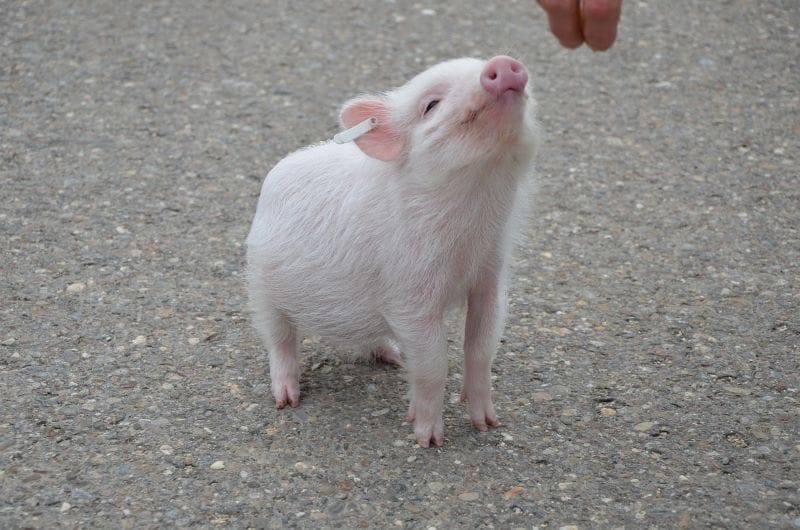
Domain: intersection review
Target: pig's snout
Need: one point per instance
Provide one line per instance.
(501, 74)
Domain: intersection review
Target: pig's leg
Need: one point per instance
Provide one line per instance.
(425, 353)
(280, 337)
(485, 315)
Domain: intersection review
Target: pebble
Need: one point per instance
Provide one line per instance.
(513, 492)
(538, 397)
(643, 426)
(194, 341)
(76, 287)
(166, 449)
(65, 506)
(469, 496)
(139, 340)
(435, 486)
(219, 464)
(8, 342)
(608, 412)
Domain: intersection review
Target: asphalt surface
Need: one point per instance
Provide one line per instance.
(648, 375)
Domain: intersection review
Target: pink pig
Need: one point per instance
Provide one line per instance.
(367, 244)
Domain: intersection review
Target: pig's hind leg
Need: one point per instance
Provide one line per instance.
(387, 351)
(280, 337)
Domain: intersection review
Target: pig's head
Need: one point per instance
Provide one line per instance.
(457, 114)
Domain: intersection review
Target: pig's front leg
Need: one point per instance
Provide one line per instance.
(485, 316)
(425, 351)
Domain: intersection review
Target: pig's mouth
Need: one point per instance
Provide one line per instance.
(507, 98)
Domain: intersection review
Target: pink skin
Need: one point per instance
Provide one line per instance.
(502, 74)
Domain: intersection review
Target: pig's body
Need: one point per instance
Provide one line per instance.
(370, 253)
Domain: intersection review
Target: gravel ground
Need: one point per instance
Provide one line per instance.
(648, 375)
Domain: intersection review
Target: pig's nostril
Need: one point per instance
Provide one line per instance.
(503, 73)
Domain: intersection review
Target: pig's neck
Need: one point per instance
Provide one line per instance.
(462, 228)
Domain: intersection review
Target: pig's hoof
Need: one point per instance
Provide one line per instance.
(426, 431)
(389, 354)
(429, 433)
(286, 394)
(481, 412)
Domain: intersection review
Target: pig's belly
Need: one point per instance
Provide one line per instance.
(321, 306)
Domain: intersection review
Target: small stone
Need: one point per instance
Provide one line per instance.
(10, 341)
(122, 230)
(565, 485)
(435, 486)
(428, 12)
(65, 506)
(76, 287)
(219, 464)
(139, 340)
(380, 412)
(538, 397)
(469, 496)
(513, 492)
(166, 449)
(643, 426)
(194, 341)
(300, 466)
(608, 412)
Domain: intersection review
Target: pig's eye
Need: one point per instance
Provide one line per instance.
(430, 106)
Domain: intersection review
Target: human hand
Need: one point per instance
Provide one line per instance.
(574, 22)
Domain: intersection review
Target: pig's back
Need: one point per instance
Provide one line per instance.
(313, 249)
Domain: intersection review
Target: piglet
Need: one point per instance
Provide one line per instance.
(367, 243)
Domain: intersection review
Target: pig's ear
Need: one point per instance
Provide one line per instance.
(384, 142)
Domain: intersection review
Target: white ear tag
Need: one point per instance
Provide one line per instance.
(356, 131)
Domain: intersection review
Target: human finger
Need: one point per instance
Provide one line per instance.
(564, 19)
(600, 20)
